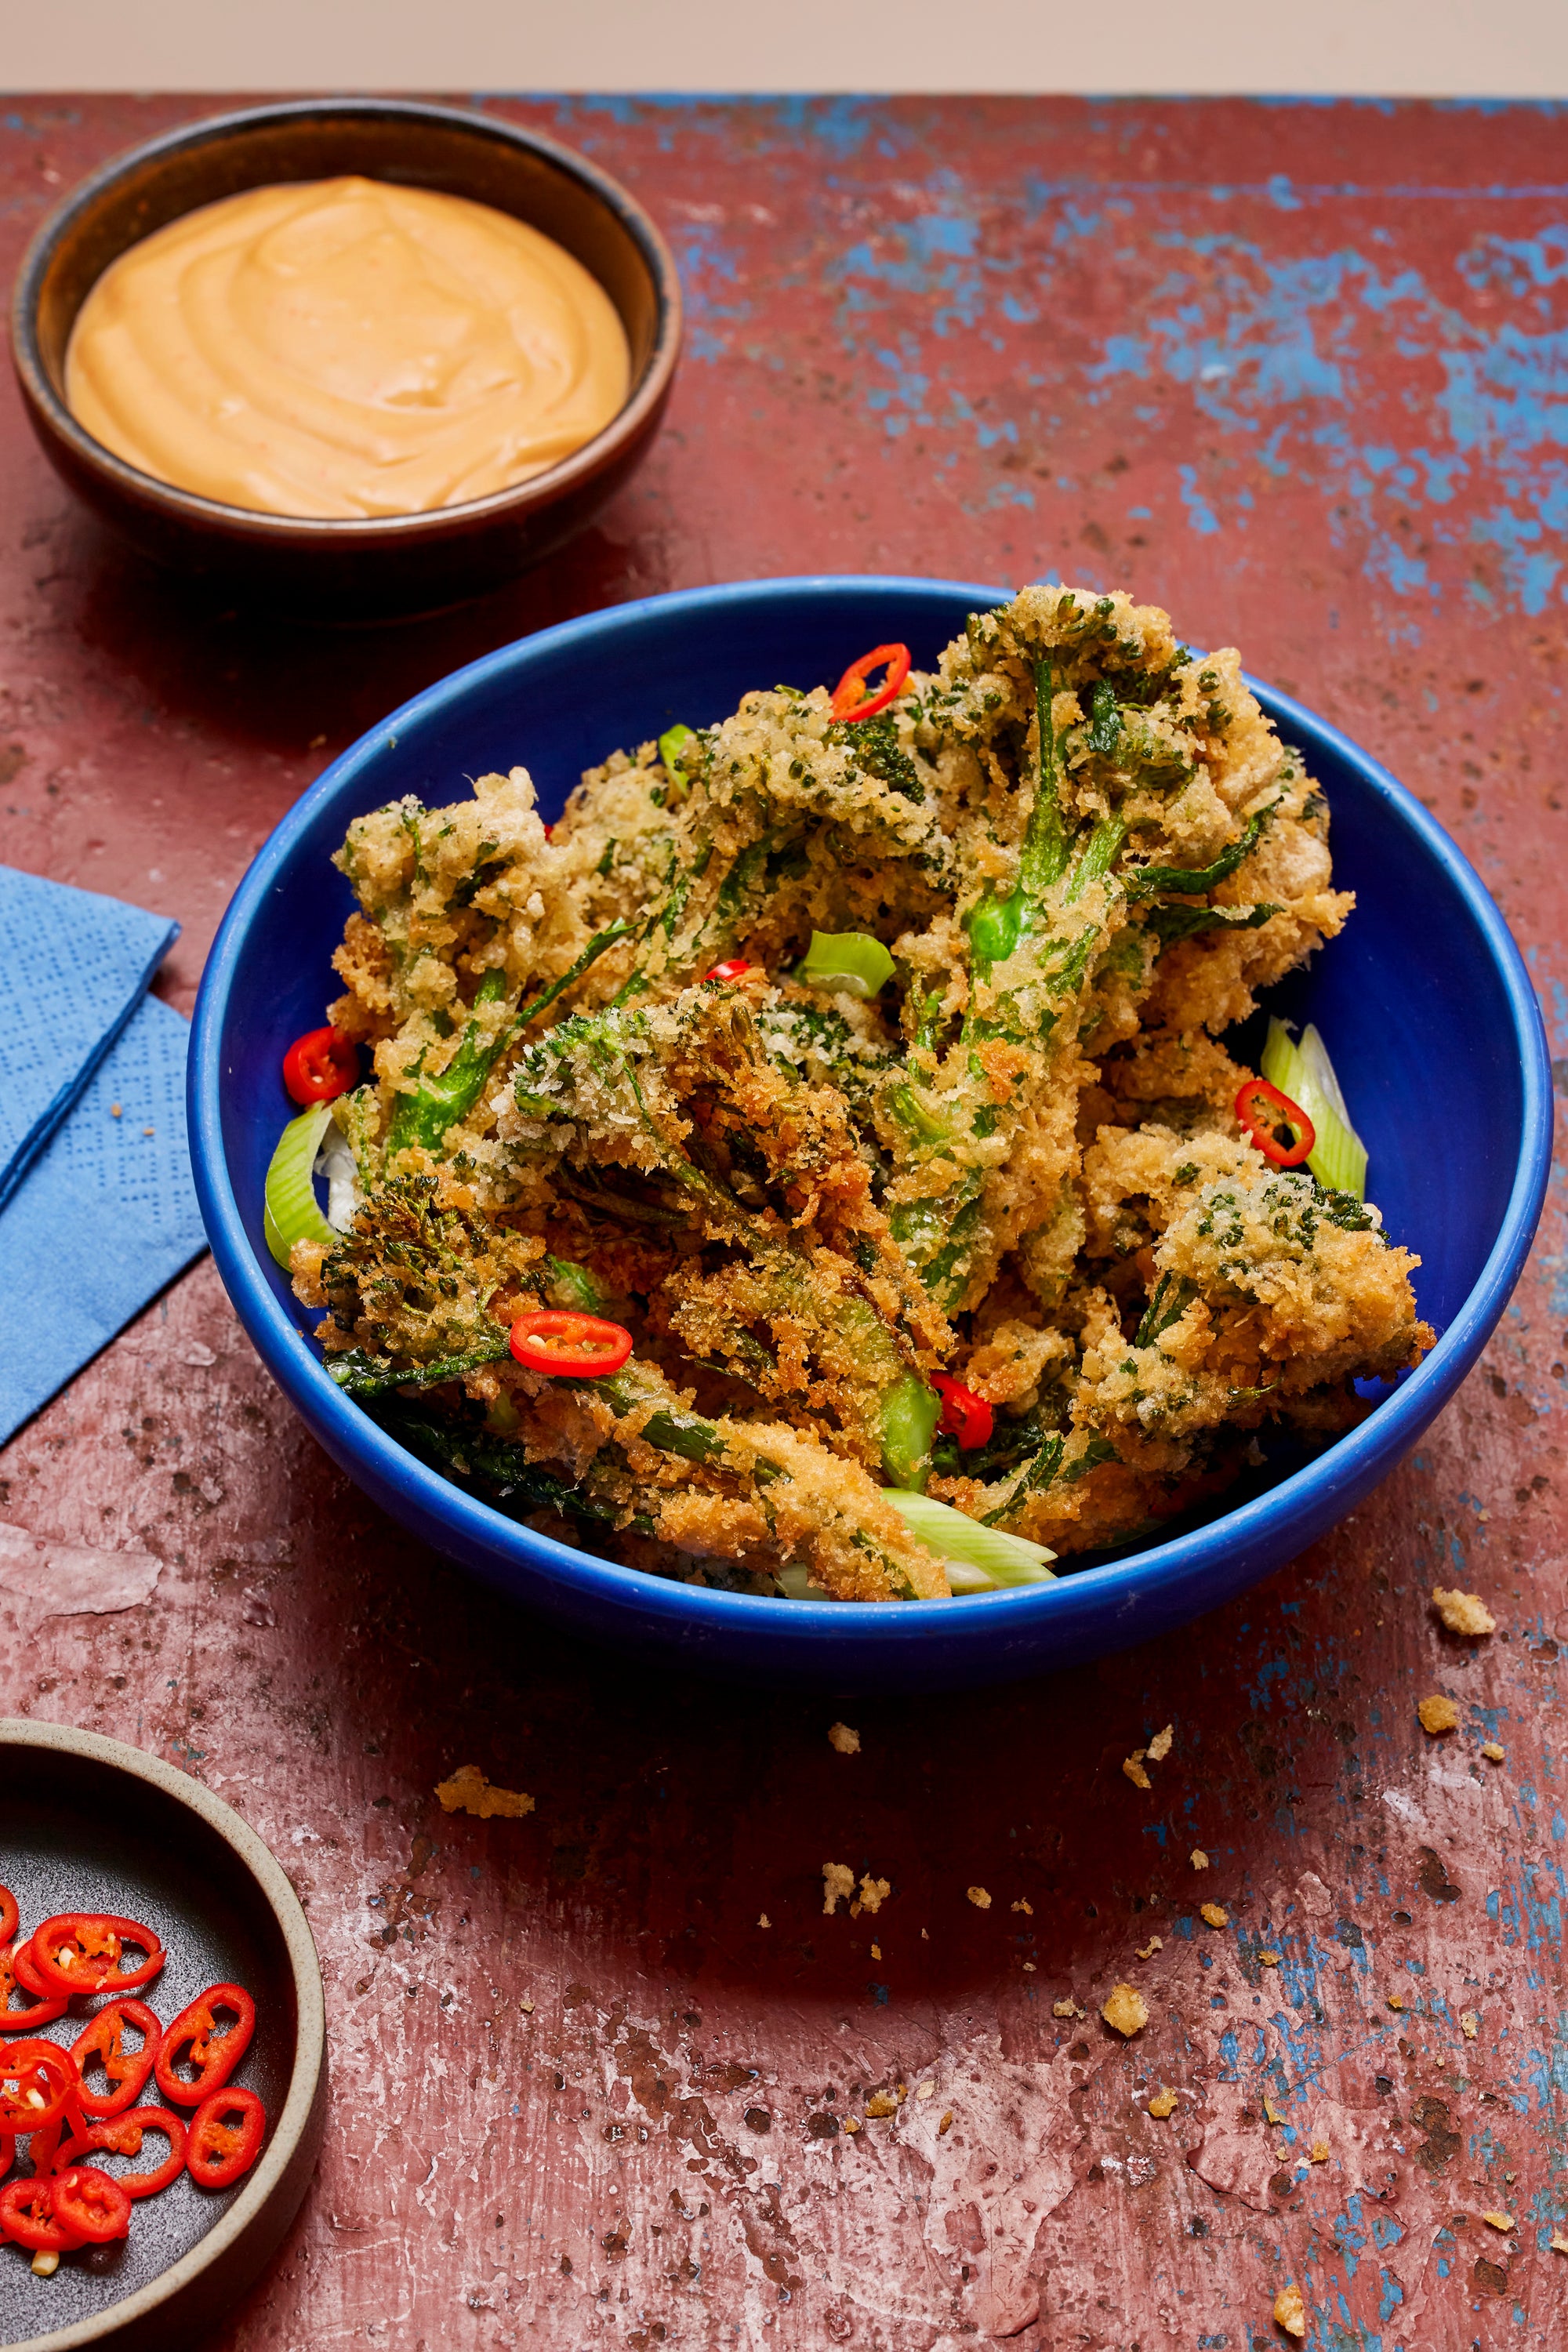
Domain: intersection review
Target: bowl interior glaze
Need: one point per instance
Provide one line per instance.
(1423, 990)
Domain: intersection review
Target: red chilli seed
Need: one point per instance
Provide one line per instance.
(214, 2055)
(121, 2136)
(80, 1952)
(126, 2070)
(224, 2138)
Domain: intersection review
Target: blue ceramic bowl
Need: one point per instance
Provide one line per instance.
(1424, 998)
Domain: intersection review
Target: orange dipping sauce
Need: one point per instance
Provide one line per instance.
(346, 347)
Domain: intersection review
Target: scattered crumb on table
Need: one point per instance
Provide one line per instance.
(978, 1897)
(1125, 2010)
(1214, 1914)
(468, 1791)
(1198, 1858)
(837, 1882)
(1158, 1747)
(1492, 1752)
(1163, 2103)
(1497, 2220)
(1439, 1714)
(1022, 1904)
(1463, 1612)
(1469, 2023)
(1290, 2311)
(841, 1736)
(1133, 1767)
(1147, 1951)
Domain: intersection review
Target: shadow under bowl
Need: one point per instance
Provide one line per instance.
(348, 569)
(1423, 1001)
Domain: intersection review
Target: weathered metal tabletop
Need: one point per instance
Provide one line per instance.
(1300, 374)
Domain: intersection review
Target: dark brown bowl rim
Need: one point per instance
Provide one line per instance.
(310, 2040)
(541, 489)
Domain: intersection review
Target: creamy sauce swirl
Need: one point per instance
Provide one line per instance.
(346, 347)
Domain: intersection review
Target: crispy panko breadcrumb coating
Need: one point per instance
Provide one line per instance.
(1018, 1162)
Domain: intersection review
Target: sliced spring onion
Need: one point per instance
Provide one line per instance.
(793, 1581)
(1304, 1072)
(291, 1213)
(336, 1166)
(910, 1414)
(672, 746)
(977, 1558)
(850, 961)
(572, 1285)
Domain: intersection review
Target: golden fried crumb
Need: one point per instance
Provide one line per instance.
(1492, 1752)
(1158, 1747)
(978, 1897)
(1028, 1968)
(1125, 2010)
(468, 1791)
(1439, 1714)
(1395, 2001)
(840, 1736)
(1559, 2244)
(1469, 2023)
(1463, 1612)
(874, 1893)
(1069, 2008)
(851, 2123)
(927, 2090)
(945, 2125)
(1268, 1960)
(837, 1881)
(526, 2006)
(1133, 1767)
(1318, 2152)
(1147, 1951)
(1497, 2220)
(1198, 1858)
(875, 1951)
(1214, 1914)
(1290, 2311)
(762, 1920)
(1163, 2103)
(1022, 1904)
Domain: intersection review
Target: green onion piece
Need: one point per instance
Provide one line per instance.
(983, 1558)
(852, 962)
(570, 1285)
(793, 1581)
(1304, 1072)
(910, 1414)
(291, 1213)
(672, 744)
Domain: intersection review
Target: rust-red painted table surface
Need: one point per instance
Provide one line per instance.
(1299, 374)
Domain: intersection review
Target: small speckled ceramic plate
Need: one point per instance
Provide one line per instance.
(89, 1825)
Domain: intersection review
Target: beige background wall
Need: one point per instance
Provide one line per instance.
(1414, 47)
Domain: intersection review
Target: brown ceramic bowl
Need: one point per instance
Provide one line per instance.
(347, 569)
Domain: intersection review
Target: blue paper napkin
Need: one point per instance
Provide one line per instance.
(104, 1217)
(73, 968)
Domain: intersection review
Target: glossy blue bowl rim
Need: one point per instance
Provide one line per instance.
(1089, 1610)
